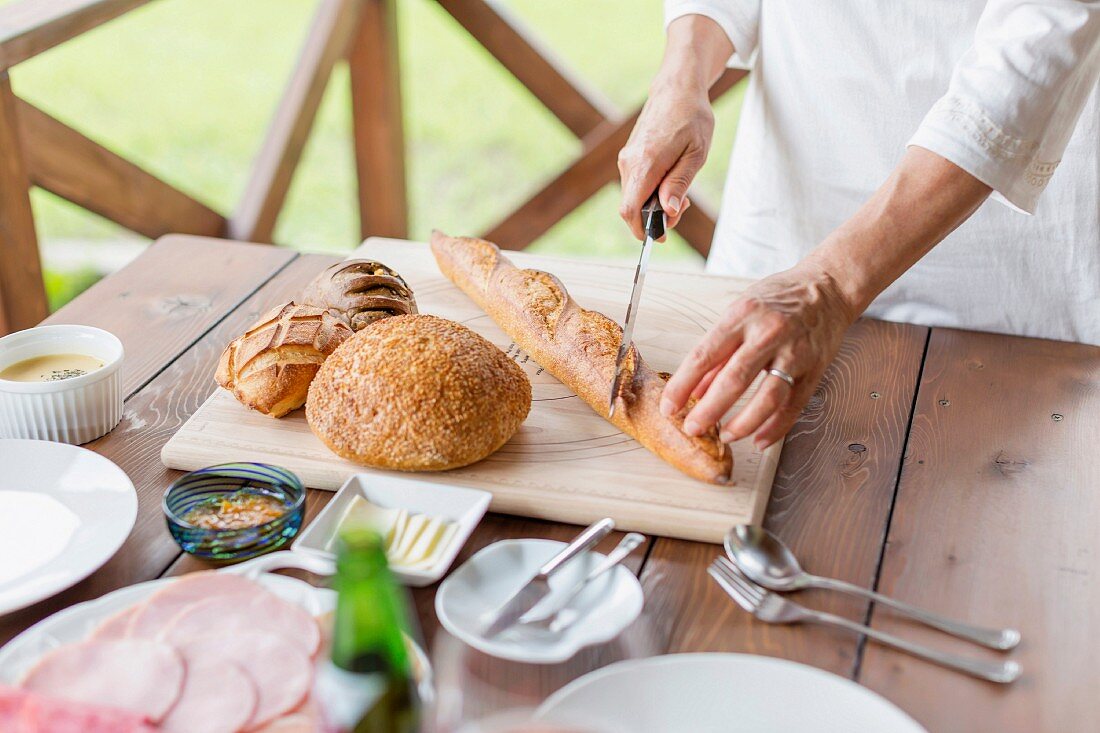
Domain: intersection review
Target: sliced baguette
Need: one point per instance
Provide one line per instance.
(578, 347)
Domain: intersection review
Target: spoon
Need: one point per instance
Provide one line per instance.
(763, 558)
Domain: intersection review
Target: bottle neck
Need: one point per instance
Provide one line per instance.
(370, 614)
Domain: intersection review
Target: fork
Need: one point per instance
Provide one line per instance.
(775, 609)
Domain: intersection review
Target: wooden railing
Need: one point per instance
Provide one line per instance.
(36, 149)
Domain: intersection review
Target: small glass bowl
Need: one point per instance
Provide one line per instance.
(228, 478)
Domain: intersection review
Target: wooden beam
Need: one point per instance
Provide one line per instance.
(580, 180)
(587, 174)
(326, 43)
(697, 224)
(580, 108)
(22, 294)
(29, 27)
(377, 125)
(65, 162)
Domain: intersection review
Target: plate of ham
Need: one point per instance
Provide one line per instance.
(217, 651)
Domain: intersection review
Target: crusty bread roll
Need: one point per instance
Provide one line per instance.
(360, 292)
(578, 347)
(270, 366)
(417, 393)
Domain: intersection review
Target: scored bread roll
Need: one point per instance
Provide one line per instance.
(360, 292)
(417, 393)
(578, 347)
(270, 366)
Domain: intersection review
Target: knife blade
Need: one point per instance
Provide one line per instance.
(627, 545)
(653, 221)
(538, 587)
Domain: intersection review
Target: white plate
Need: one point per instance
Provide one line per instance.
(607, 606)
(712, 693)
(64, 511)
(464, 506)
(76, 622)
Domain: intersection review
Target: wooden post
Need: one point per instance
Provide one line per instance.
(377, 122)
(22, 293)
(262, 202)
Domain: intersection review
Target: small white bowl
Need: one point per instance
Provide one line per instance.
(75, 410)
(479, 587)
(464, 506)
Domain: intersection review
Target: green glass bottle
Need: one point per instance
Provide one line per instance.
(367, 686)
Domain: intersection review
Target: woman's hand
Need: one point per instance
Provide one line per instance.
(671, 139)
(793, 321)
(667, 147)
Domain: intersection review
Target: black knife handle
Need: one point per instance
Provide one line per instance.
(653, 217)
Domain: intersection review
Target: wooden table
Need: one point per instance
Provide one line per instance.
(956, 470)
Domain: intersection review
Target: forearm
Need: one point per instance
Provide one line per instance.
(696, 52)
(922, 202)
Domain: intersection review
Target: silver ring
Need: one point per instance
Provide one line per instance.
(782, 375)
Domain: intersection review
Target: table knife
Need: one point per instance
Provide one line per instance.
(538, 587)
(653, 221)
(627, 545)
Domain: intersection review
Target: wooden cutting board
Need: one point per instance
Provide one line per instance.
(566, 463)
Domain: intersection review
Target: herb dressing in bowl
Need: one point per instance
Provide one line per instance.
(61, 383)
(51, 368)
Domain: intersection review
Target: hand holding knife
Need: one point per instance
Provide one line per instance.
(653, 222)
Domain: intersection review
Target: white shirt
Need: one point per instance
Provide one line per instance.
(1005, 89)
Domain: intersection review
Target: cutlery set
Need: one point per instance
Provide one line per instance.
(759, 567)
(757, 570)
(519, 607)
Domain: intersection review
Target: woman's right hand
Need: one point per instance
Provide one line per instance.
(667, 147)
(671, 139)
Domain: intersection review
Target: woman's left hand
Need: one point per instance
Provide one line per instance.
(793, 321)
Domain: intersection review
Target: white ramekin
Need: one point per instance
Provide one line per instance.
(74, 410)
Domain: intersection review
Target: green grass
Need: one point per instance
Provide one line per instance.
(186, 89)
(61, 287)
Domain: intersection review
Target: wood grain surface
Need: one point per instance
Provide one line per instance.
(157, 411)
(829, 503)
(566, 463)
(998, 522)
(160, 303)
(996, 519)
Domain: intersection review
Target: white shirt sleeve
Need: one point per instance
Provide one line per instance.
(1016, 95)
(740, 19)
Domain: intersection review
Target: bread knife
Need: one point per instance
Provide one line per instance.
(653, 221)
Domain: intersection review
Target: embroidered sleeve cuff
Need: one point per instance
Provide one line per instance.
(961, 132)
(740, 19)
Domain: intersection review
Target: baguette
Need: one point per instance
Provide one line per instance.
(578, 347)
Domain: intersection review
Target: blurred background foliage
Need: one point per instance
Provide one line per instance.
(186, 89)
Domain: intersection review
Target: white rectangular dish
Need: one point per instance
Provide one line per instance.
(456, 504)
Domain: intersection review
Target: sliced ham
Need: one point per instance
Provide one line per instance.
(281, 672)
(152, 616)
(140, 675)
(217, 697)
(116, 626)
(234, 615)
(293, 723)
(27, 712)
